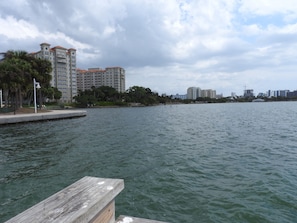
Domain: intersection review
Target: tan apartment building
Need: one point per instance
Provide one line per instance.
(208, 93)
(64, 69)
(97, 77)
(195, 92)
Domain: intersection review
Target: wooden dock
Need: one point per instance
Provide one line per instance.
(89, 200)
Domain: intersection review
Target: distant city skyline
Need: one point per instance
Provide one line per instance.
(195, 92)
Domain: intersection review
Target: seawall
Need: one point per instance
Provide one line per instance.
(44, 116)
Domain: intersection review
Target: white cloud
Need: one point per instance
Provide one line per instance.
(252, 30)
(166, 45)
(268, 7)
(17, 29)
(108, 31)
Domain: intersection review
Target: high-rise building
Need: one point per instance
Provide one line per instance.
(248, 93)
(270, 93)
(193, 93)
(208, 93)
(64, 69)
(292, 94)
(277, 93)
(96, 77)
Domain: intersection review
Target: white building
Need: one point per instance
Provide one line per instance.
(178, 96)
(64, 69)
(96, 77)
(193, 93)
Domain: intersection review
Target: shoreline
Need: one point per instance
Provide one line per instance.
(47, 115)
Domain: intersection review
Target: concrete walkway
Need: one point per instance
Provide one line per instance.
(44, 116)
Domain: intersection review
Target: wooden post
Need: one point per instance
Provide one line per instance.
(89, 200)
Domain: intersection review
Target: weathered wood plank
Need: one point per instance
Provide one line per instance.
(128, 219)
(106, 215)
(78, 203)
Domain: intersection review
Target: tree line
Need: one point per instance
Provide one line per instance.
(106, 95)
(17, 70)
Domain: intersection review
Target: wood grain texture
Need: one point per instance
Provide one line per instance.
(77, 203)
(107, 215)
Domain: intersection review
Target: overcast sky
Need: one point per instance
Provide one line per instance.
(166, 45)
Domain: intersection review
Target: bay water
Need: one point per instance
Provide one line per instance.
(234, 162)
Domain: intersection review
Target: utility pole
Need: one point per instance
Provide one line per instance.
(0, 98)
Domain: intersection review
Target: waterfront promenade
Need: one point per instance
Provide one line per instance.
(6, 119)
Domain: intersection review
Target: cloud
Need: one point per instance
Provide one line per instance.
(166, 45)
(266, 7)
(12, 28)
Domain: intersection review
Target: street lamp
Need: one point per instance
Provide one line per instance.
(0, 98)
(36, 86)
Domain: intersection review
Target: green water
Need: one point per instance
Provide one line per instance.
(180, 163)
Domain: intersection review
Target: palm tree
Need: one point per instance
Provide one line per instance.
(4, 77)
(41, 71)
(17, 70)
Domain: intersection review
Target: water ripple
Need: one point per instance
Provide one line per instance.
(180, 163)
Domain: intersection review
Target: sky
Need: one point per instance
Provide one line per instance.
(166, 45)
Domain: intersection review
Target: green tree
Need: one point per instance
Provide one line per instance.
(57, 94)
(85, 98)
(17, 70)
(141, 95)
(106, 93)
(4, 80)
(41, 71)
